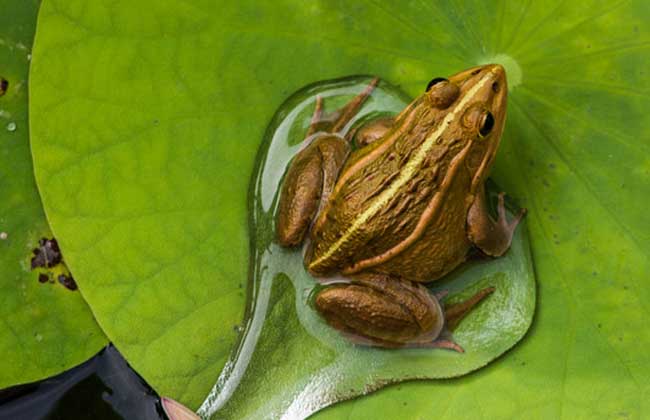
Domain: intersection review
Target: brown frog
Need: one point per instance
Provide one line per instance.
(404, 207)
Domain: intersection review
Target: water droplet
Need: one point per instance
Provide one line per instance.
(11, 126)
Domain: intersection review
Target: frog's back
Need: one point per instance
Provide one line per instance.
(372, 212)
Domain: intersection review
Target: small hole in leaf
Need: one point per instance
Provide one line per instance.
(67, 281)
(4, 85)
(47, 254)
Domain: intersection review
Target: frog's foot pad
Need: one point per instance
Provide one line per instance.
(508, 227)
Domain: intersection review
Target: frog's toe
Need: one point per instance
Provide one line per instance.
(503, 218)
(444, 343)
(455, 313)
(492, 237)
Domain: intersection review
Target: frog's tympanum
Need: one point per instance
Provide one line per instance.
(397, 203)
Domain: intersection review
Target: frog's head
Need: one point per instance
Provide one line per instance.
(469, 107)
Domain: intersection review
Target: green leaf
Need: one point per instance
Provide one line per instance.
(290, 363)
(146, 120)
(44, 328)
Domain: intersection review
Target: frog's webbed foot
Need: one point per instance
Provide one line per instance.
(492, 237)
(316, 117)
(454, 314)
(336, 121)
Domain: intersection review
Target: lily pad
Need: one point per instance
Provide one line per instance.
(290, 363)
(44, 327)
(146, 118)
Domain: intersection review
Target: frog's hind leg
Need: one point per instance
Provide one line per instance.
(316, 117)
(492, 237)
(381, 311)
(336, 121)
(313, 171)
(343, 116)
(454, 314)
(307, 184)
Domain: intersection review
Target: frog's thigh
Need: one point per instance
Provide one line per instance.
(309, 180)
(490, 236)
(380, 311)
(372, 131)
(334, 151)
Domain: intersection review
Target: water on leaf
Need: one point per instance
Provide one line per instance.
(288, 362)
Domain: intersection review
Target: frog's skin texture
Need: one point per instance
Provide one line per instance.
(404, 207)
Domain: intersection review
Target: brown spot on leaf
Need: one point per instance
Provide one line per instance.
(67, 281)
(47, 254)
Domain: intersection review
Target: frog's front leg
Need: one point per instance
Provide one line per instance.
(492, 237)
(381, 311)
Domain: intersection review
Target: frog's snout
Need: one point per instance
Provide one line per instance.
(498, 73)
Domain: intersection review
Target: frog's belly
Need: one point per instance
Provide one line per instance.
(441, 248)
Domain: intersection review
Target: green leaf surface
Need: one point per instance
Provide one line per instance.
(290, 363)
(44, 328)
(146, 120)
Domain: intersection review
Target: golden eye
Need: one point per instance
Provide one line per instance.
(487, 123)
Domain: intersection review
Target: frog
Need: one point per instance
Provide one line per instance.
(397, 203)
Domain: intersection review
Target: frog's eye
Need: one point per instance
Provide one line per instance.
(434, 81)
(487, 123)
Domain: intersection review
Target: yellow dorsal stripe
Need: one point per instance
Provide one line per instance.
(407, 173)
